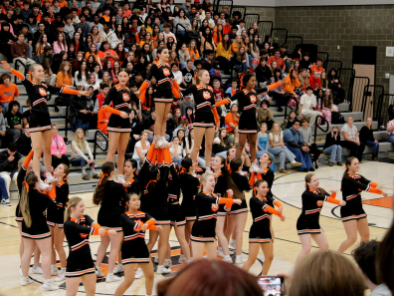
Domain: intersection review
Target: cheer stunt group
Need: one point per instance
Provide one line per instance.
(211, 214)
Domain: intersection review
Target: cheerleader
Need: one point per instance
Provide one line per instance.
(207, 204)
(308, 226)
(247, 128)
(40, 121)
(55, 219)
(177, 218)
(354, 218)
(130, 175)
(110, 196)
(134, 249)
(238, 214)
(167, 87)
(189, 186)
(35, 229)
(206, 116)
(260, 235)
(80, 266)
(119, 128)
(154, 199)
(264, 172)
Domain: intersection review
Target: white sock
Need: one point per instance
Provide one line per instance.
(53, 266)
(26, 278)
(159, 266)
(227, 257)
(110, 274)
(63, 269)
(48, 281)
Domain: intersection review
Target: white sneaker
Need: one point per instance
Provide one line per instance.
(121, 179)
(227, 259)
(162, 270)
(99, 273)
(61, 277)
(182, 259)
(112, 278)
(37, 269)
(26, 281)
(239, 260)
(48, 285)
(20, 272)
(156, 260)
(2, 202)
(54, 270)
(167, 263)
(7, 202)
(221, 253)
(189, 261)
(232, 244)
(118, 268)
(42, 186)
(138, 273)
(254, 168)
(50, 178)
(208, 170)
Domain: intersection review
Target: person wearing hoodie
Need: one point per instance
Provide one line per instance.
(9, 164)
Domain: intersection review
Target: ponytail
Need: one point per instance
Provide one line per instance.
(98, 195)
(349, 161)
(73, 202)
(230, 184)
(30, 181)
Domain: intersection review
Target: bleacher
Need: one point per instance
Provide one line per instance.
(59, 113)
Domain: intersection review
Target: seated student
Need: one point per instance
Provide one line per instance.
(239, 60)
(208, 62)
(318, 67)
(333, 146)
(9, 164)
(20, 51)
(231, 121)
(5, 136)
(8, 91)
(224, 54)
(24, 142)
(307, 103)
(366, 137)
(232, 90)
(141, 148)
(176, 151)
(314, 81)
(264, 114)
(351, 140)
(58, 148)
(390, 131)
(14, 120)
(293, 140)
(188, 74)
(305, 62)
(365, 257)
(79, 149)
(306, 134)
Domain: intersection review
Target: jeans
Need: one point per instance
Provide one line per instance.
(282, 155)
(334, 150)
(177, 160)
(150, 138)
(138, 163)
(6, 177)
(375, 147)
(80, 161)
(303, 157)
(390, 138)
(3, 190)
(240, 68)
(249, 59)
(261, 152)
(182, 65)
(222, 154)
(30, 55)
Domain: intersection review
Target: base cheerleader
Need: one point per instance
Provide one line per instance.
(110, 195)
(134, 250)
(308, 226)
(262, 206)
(264, 172)
(354, 218)
(130, 176)
(207, 204)
(80, 265)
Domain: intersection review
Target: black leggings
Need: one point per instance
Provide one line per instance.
(224, 63)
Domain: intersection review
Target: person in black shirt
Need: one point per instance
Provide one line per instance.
(9, 165)
(305, 62)
(17, 24)
(14, 120)
(24, 142)
(149, 123)
(188, 74)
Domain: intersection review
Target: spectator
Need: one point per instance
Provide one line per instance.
(136, 130)
(333, 146)
(307, 103)
(305, 61)
(390, 131)
(262, 141)
(317, 67)
(81, 155)
(365, 256)
(24, 142)
(5, 136)
(293, 140)
(278, 93)
(64, 76)
(185, 103)
(306, 134)
(239, 60)
(141, 148)
(58, 148)
(351, 140)
(4, 196)
(184, 56)
(233, 89)
(81, 108)
(314, 81)
(335, 85)
(207, 42)
(9, 165)
(106, 53)
(328, 105)
(183, 22)
(221, 143)
(189, 116)
(326, 273)
(224, 54)
(176, 151)
(83, 25)
(231, 120)
(290, 83)
(177, 74)
(8, 91)
(188, 74)
(303, 78)
(263, 72)
(60, 44)
(264, 114)
(20, 51)
(14, 121)
(279, 61)
(149, 123)
(367, 138)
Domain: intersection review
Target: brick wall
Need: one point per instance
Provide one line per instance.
(266, 13)
(346, 26)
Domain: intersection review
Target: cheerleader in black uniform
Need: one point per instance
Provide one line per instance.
(189, 186)
(260, 235)
(207, 204)
(80, 266)
(308, 226)
(206, 117)
(40, 121)
(264, 172)
(35, 230)
(353, 216)
(119, 127)
(130, 176)
(167, 88)
(111, 197)
(247, 128)
(134, 249)
(239, 213)
(55, 219)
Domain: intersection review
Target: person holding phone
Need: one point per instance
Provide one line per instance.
(260, 235)
(333, 147)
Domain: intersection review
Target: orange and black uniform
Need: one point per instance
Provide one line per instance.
(189, 186)
(134, 185)
(243, 185)
(134, 249)
(120, 99)
(40, 119)
(207, 205)
(260, 231)
(55, 215)
(174, 191)
(352, 185)
(267, 175)
(312, 203)
(79, 261)
(19, 180)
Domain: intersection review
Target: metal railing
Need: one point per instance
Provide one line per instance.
(370, 103)
(383, 114)
(17, 69)
(99, 138)
(292, 42)
(279, 36)
(356, 100)
(291, 108)
(332, 64)
(323, 122)
(250, 19)
(265, 29)
(346, 77)
(222, 3)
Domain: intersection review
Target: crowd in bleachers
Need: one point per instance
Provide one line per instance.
(84, 44)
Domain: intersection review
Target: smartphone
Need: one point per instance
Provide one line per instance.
(271, 285)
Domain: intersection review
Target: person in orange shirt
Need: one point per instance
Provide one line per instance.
(231, 121)
(317, 67)
(227, 26)
(107, 54)
(64, 76)
(63, 3)
(291, 82)
(102, 115)
(218, 34)
(8, 91)
(237, 44)
(193, 51)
